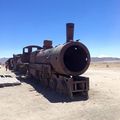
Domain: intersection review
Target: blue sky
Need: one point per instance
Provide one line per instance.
(27, 22)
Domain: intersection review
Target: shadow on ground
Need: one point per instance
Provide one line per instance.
(48, 93)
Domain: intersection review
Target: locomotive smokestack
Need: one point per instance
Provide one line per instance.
(69, 32)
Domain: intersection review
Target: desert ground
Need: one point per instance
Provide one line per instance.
(29, 101)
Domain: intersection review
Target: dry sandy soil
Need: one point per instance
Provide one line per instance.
(31, 102)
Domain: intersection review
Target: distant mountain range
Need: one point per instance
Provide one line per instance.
(93, 59)
(105, 59)
(3, 60)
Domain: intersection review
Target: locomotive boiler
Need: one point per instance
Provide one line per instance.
(60, 67)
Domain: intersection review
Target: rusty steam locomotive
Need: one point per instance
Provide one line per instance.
(57, 67)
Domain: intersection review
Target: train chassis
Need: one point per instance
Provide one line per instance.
(73, 86)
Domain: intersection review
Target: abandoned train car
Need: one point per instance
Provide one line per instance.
(58, 67)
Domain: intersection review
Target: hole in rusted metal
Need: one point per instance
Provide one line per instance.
(75, 58)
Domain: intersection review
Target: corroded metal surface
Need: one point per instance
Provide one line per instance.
(72, 58)
(69, 32)
(27, 51)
